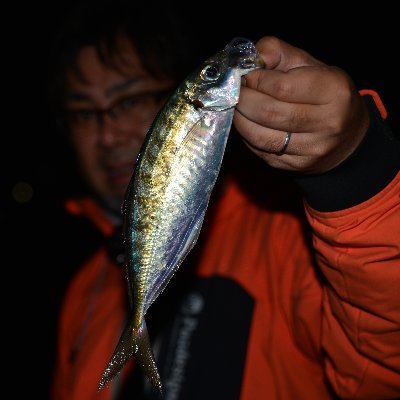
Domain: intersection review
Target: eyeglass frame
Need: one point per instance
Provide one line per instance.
(98, 114)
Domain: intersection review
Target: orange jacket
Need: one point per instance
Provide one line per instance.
(311, 331)
(305, 330)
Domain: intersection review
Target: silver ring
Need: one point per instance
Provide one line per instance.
(285, 144)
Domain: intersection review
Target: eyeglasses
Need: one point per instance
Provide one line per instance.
(123, 112)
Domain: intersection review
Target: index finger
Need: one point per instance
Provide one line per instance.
(304, 85)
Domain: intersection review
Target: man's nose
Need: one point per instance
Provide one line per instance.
(108, 131)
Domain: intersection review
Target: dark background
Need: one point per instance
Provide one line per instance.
(363, 42)
(36, 172)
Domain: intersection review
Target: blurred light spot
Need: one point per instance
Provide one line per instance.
(22, 192)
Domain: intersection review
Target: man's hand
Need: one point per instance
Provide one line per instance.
(296, 93)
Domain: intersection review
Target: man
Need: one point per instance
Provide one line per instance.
(257, 310)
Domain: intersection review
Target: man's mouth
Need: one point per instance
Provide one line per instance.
(120, 173)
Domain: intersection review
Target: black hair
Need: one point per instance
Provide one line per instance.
(170, 40)
(159, 33)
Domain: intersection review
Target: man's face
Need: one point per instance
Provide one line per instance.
(109, 113)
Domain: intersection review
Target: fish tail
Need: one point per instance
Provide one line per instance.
(133, 341)
(144, 354)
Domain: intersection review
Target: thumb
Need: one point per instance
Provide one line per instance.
(280, 55)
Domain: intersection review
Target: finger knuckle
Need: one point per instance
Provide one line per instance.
(334, 125)
(283, 89)
(321, 148)
(270, 116)
(344, 85)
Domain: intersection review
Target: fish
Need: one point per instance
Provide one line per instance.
(169, 192)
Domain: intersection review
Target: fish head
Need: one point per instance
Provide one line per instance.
(215, 86)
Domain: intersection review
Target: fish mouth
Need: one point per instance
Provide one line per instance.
(242, 52)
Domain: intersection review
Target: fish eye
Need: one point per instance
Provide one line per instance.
(210, 73)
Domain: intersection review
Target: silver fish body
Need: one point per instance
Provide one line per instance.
(168, 195)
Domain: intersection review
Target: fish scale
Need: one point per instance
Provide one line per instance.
(168, 195)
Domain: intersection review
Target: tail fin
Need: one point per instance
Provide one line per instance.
(133, 341)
